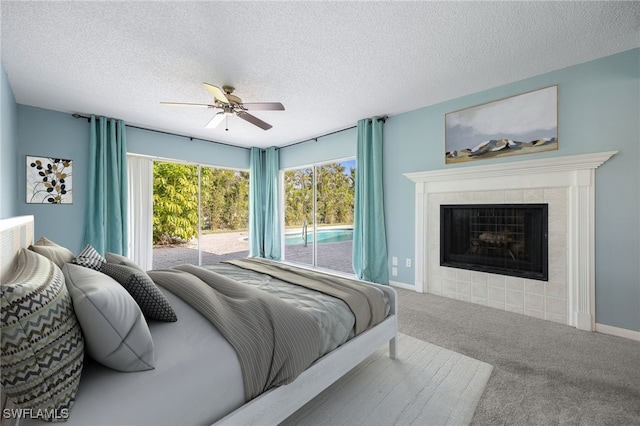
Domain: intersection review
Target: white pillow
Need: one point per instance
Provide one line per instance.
(119, 259)
(115, 331)
(55, 252)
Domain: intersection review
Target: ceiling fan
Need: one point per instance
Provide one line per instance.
(231, 104)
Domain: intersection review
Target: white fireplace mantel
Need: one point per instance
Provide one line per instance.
(576, 173)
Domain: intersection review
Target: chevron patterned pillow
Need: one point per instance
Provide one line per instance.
(90, 258)
(144, 291)
(42, 344)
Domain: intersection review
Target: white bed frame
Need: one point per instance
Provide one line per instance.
(273, 406)
(276, 405)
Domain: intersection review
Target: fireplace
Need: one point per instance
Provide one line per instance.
(506, 239)
(567, 185)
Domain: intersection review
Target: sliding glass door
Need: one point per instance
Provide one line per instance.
(224, 214)
(299, 215)
(319, 215)
(335, 191)
(175, 214)
(200, 214)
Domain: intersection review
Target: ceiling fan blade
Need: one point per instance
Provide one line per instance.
(217, 119)
(182, 104)
(263, 106)
(254, 120)
(216, 92)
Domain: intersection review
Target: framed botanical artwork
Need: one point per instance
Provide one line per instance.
(521, 124)
(49, 180)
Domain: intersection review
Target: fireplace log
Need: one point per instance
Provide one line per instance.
(498, 239)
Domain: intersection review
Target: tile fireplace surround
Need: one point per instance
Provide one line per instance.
(566, 184)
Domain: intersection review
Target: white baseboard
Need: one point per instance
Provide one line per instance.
(402, 285)
(616, 331)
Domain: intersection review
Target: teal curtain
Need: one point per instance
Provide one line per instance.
(272, 243)
(256, 205)
(369, 236)
(105, 224)
(264, 204)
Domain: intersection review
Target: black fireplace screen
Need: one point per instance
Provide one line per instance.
(507, 239)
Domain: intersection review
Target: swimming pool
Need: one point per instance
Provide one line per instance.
(324, 236)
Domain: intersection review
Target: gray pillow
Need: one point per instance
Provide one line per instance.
(119, 259)
(115, 332)
(42, 344)
(143, 290)
(52, 251)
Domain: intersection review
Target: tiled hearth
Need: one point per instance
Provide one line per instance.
(566, 184)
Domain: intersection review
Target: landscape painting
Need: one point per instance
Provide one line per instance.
(521, 124)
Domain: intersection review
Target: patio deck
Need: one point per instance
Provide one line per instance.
(226, 246)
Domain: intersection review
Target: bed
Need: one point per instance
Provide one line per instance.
(198, 373)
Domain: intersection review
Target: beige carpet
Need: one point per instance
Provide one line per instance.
(544, 373)
(426, 385)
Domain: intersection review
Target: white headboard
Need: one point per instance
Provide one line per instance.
(15, 233)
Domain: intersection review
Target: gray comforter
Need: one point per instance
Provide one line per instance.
(274, 341)
(367, 303)
(333, 316)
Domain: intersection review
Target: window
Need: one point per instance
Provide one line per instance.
(319, 215)
(200, 214)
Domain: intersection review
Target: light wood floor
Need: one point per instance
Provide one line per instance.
(427, 384)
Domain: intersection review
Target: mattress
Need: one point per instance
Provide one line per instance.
(197, 379)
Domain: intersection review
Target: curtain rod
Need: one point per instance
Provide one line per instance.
(76, 115)
(384, 118)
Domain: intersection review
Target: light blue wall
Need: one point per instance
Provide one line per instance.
(173, 147)
(599, 110)
(327, 148)
(45, 133)
(8, 155)
(49, 133)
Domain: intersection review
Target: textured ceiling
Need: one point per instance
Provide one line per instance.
(330, 63)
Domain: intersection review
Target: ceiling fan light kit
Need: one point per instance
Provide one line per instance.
(215, 121)
(230, 104)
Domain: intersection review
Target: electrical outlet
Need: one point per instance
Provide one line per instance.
(394, 271)
(408, 262)
(394, 260)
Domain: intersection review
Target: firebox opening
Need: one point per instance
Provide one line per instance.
(506, 239)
